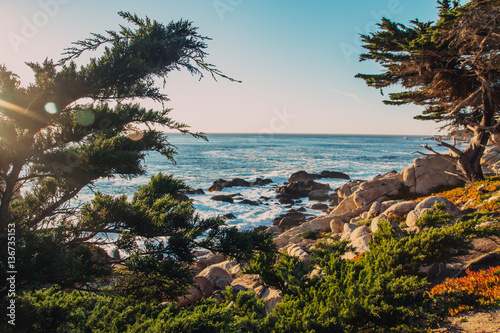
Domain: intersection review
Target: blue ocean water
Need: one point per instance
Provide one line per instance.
(248, 156)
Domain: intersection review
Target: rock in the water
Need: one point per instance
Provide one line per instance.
(230, 216)
(197, 191)
(261, 182)
(223, 198)
(301, 189)
(249, 202)
(333, 174)
(182, 197)
(320, 206)
(302, 176)
(318, 195)
(220, 184)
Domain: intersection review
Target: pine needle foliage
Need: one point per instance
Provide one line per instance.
(450, 68)
(77, 124)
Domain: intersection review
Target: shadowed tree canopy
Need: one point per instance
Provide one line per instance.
(451, 68)
(77, 124)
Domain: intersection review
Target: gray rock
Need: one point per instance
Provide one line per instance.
(223, 198)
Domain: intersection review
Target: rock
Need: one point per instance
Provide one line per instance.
(297, 251)
(435, 271)
(374, 209)
(361, 243)
(431, 201)
(375, 222)
(320, 223)
(302, 176)
(336, 226)
(333, 174)
(246, 281)
(431, 172)
(261, 182)
(349, 188)
(197, 191)
(219, 277)
(319, 195)
(301, 189)
(414, 215)
(301, 209)
(349, 228)
(220, 184)
(360, 232)
(182, 197)
(345, 206)
(284, 200)
(334, 199)
(260, 228)
(320, 206)
(249, 202)
(371, 191)
(275, 230)
(206, 260)
(230, 216)
(201, 288)
(400, 208)
(226, 265)
(223, 198)
(271, 298)
(290, 220)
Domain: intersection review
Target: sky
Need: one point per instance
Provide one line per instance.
(296, 59)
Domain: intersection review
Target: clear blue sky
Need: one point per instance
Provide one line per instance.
(296, 59)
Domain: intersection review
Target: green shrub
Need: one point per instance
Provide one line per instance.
(436, 216)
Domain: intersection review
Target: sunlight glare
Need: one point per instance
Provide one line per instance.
(51, 108)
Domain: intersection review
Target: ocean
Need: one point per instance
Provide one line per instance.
(248, 156)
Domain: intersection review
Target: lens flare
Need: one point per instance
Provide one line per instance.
(51, 108)
(16, 108)
(135, 134)
(85, 117)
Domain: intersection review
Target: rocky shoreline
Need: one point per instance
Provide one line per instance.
(352, 214)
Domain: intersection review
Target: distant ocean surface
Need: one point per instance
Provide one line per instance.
(247, 156)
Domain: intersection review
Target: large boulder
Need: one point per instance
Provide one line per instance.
(349, 188)
(400, 208)
(431, 201)
(201, 288)
(321, 223)
(427, 173)
(336, 226)
(428, 204)
(219, 277)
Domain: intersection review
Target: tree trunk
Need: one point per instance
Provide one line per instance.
(470, 159)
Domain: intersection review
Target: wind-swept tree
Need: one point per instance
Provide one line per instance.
(76, 125)
(451, 67)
